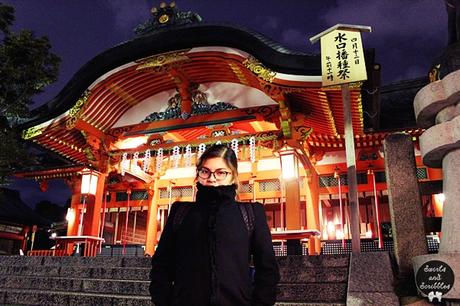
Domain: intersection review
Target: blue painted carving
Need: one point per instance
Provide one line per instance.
(200, 106)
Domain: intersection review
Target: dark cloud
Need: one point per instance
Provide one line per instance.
(407, 35)
(128, 14)
(268, 22)
(294, 38)
(390, 18)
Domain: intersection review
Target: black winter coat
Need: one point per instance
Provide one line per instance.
(205, 260)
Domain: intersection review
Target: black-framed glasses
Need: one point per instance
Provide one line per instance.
(219, 174)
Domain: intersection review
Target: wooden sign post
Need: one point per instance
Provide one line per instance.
(342, 62)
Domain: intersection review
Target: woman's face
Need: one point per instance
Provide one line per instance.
(215, 172)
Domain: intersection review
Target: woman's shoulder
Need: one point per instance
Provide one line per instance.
(180, 206)
(182, 203)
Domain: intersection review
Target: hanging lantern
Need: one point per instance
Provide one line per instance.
(124, 163)
(176, 156)
(201, 149)
(252, 149)
(234, 146)
(159, 159)
(188, 156)
(146, 163)
(135, 158)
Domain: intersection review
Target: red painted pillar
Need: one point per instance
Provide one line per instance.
(92, 218)
(152, 221)
(72, 224)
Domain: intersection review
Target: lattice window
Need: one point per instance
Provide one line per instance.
(280, 250)
(184, 191)
(361, 178)
(177, 192)
(422, 174)
(139, 195)
(245, 187)
(164, 193)
(335, 247)
(269, 185)
(331, 181)
(433, 244)
(304, 248)
(108, 197)
(121, 196)
(332, 247)
(380, 177)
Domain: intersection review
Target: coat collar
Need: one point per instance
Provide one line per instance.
(218, 194)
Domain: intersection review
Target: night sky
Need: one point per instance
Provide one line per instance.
(407, 35)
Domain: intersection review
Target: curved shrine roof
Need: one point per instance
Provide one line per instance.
(132, 89)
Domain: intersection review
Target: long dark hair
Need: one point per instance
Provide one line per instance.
(224, 152)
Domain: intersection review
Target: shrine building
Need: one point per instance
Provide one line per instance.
(132, 122)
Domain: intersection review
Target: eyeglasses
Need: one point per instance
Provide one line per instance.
(219, 174)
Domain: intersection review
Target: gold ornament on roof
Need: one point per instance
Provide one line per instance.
(163, 62)
(31, 132)
(76, 111)
(258, 68)
(163, 18)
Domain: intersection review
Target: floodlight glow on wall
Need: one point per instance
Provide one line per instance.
(70, 216)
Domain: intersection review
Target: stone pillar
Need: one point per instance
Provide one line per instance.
(437, 108)
(450, 220)
(405, 202)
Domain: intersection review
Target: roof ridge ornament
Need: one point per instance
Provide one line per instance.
(166, 16)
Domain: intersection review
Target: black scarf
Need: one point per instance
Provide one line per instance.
(214, 196)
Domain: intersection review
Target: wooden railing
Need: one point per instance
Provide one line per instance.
(47, 253)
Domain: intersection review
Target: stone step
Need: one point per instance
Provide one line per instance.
(313, 292)
(38, 297)
(49, 261)
(313, 274)
(295, 261)
(301, 275)
(309, 304)
(106, 286)
(302, 262)
(78, 272)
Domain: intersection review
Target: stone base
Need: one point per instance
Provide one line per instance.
(453, 260)
(414, 301)
(370, 280)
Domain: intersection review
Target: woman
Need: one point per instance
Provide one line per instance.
(203, 259)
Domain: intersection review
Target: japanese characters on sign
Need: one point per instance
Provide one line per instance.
(342, 58)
